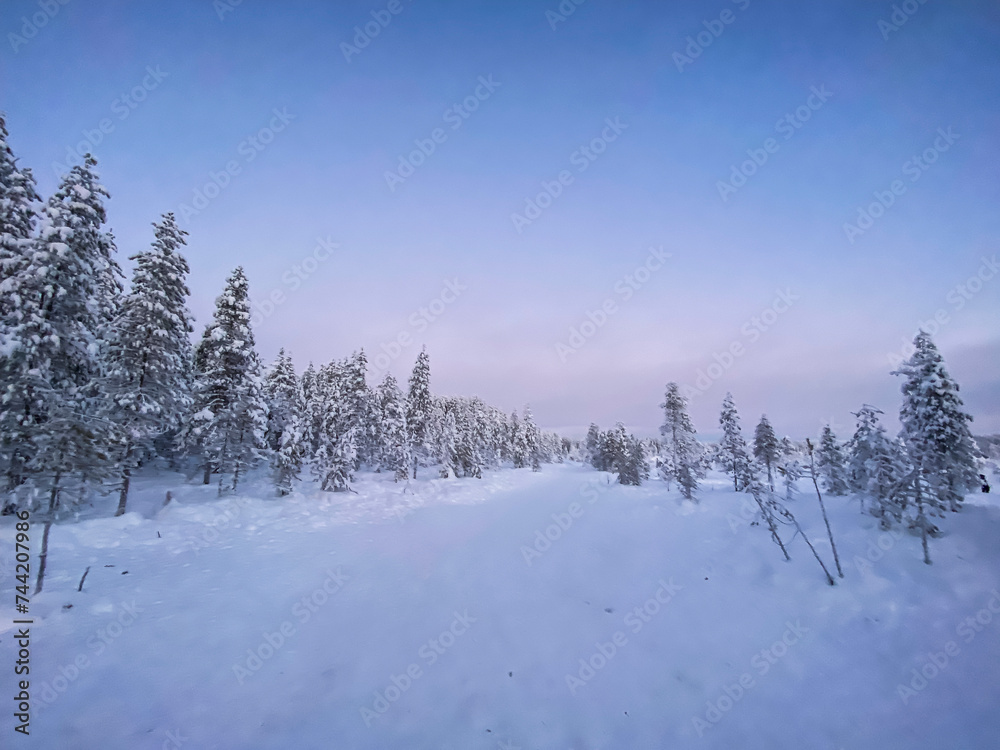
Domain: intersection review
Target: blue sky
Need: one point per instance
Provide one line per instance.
(769, 270)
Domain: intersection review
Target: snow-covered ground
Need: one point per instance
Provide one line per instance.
(440, 619)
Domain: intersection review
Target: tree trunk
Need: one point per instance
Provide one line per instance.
(123, 496)
(41, 558)
(812, 472)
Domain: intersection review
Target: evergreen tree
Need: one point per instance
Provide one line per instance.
(830, 463)
(518, 442)
(766, 448)
(682, 449)
(51, 434)
(418, 411)
(147, 384)
(789, 465)
(632, 467)
(876, 467)
(592, 446)
(935, 431)
(394, 445)
(286, 436)
(733, 454)
(230, 415)
(532, 440)
(19, 206)
(337, 454)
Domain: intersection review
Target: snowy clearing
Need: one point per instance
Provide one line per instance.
(444, 618)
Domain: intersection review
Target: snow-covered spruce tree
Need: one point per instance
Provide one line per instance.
(229, 411)
(518, 441)
(765, 448)
(394, 445)
(682, 451)
(286, 435)
(444, 438)
(935, 432)
(19, 206)
(831, 464)
(358, 406)
(632, 467)
(789, 466)
(468, 445)
(876, 468)
(418, 412)
(733, 455)
(532, 440)
(52, 437)
(311, 415)
(146, 386)
(336, 456)
(592, 446)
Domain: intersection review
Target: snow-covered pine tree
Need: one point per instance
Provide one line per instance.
(336, 456)
(789, 466)
(51, 435)
(19, 207)
(831, 464)
(935, 432)
(592, 446)
(682, 451)
(394, 445)
(147, 383)
(766, 448)
(876, 468)
(444, 437)
(286, 436)
(358, 407)
(532, 440)
(632, 467)
(229, 409)
(418, 412)
(733, 454)
(518, 441)
(468, 443)
(311, 414)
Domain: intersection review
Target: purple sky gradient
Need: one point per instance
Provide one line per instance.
(654, 186)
